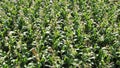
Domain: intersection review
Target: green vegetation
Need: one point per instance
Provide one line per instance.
(59, 33)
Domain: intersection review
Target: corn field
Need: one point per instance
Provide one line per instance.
(59, 33)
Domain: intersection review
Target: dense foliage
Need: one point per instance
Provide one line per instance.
(59, 33)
